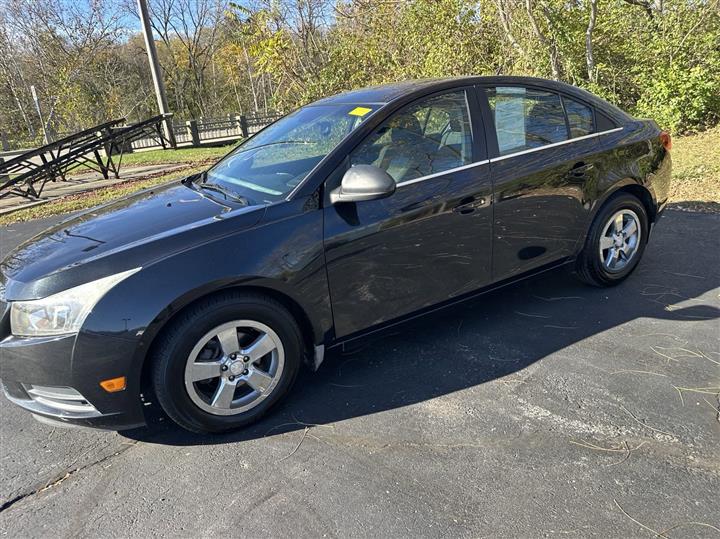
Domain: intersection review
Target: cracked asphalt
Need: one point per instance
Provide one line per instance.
(544, 409)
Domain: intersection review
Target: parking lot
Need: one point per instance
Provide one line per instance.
(545, 409)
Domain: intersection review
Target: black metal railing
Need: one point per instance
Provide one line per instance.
(207, 130)
(99, 148)
(192, 132)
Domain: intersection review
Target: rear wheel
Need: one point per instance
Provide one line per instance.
(615, 243)
(226, 361)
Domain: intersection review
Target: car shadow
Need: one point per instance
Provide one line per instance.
(490, 337)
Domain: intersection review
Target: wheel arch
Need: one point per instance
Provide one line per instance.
(644, 195)
(310, 333)
(629, 186)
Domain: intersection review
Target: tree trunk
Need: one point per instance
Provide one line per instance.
(549, 43)
(589, 57)
(505, 22)
(250, 76)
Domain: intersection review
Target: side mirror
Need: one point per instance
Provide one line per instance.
(363, 182)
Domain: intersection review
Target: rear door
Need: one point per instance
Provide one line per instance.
(542, 161)
(431, 240)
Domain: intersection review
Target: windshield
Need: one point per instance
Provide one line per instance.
(270, 164)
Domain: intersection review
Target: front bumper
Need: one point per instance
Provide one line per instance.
(62, 404)
(58, 378)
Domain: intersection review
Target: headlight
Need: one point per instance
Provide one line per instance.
(63, 312)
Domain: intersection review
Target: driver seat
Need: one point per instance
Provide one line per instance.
(407, 154)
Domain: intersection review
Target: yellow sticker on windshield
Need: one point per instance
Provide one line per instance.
(359, 111)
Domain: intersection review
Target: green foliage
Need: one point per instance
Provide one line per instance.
(389, 41)
(658, 59)
(182, 155)
(679, 98)
(680, 87)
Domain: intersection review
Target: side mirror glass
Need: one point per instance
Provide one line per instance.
(363, 182)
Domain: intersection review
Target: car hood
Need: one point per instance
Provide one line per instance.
(132, 232)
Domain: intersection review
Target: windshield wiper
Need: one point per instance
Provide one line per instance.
(222, 190)
(200, 181)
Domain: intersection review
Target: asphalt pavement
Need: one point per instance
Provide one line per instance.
(545, 409)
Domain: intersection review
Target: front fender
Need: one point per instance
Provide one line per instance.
(290, 263)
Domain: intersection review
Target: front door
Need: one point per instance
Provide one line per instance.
(428, 242)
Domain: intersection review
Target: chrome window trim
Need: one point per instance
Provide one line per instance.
(555, 144)
(500, 158)
(441, 173)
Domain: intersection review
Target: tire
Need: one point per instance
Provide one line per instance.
(592, 264)
(245, 377)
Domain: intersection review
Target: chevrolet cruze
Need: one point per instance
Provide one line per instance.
(346, 216)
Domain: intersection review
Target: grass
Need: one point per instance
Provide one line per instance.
(696, 168)
(696, 177)
(195, 158)
(89, 199)
(182, 155)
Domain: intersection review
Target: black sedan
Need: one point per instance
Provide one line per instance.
(346, 216)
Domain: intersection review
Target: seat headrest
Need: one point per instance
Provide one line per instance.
(404, 128)
(455, 123)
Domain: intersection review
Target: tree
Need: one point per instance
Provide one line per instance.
(657, 58)
(56, 44)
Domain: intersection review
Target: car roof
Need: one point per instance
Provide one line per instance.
(381, 94)
(387, 93)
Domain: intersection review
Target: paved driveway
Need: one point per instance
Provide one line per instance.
(545, 409)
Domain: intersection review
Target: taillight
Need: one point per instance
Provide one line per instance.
(666, 140)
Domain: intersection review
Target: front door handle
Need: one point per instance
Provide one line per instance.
(579, 169)
(469, 205)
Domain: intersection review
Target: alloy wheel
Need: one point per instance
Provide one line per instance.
(620, 240)
(234, 367)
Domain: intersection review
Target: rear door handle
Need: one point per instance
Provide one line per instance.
(579, 169)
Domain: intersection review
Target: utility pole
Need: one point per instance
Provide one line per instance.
(155, 70)
(46, 136)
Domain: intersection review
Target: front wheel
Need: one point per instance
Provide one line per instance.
(615, 243)
(226, 361)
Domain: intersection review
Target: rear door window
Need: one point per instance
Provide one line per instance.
(526, 118)
(580, 118)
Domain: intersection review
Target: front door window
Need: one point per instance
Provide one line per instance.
(424, 138)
